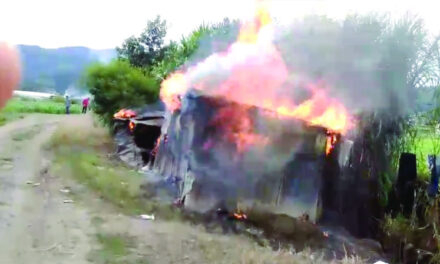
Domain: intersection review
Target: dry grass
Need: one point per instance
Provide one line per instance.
(223, 249)
(266, 256)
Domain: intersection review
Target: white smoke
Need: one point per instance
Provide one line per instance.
(363, 62)
(76, 93)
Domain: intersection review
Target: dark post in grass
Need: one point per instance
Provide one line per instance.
(433, 186)
(405, 181)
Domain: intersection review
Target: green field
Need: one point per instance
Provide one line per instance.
(422, 140)
(17, 107)
(46, 106)
(424, 145)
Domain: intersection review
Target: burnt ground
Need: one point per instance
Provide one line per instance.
(42, 223)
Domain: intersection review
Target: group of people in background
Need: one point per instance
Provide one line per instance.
(85, 104)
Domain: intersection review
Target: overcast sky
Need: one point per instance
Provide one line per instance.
(106, 23)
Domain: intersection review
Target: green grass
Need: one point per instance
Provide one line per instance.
(26, 134)
(82, 153)
(112, 182)
(425, 143)
(61, 99)
(9, 117)
(46, 106)
(115, 249)
(425, 147)
(18, 107)
(114, 245)
(398, 226)
(97, 221)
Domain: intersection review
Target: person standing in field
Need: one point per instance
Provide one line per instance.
(85, 104)
(67, 105)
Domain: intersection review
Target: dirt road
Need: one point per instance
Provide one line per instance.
(35, 225)
(40, 224)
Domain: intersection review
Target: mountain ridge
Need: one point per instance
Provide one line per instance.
(57, 69)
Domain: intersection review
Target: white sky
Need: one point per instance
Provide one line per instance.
(106, 23)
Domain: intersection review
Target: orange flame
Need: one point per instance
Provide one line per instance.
(255, 74)
(131, 126)
(156, 147)
(240, 216)
(171, 89)
(332, 138)
(124, 114)
(249, 31)
(236, 126)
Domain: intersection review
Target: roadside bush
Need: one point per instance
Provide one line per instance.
(118, 85)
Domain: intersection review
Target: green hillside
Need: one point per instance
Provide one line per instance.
(54, 70)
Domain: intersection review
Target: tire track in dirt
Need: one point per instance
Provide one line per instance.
(35, 225)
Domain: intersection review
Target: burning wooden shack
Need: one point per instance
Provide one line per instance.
(222, 152)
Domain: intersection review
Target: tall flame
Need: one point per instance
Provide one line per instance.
(172, 88)
(332, 139)
(250, 31)
(255, 71)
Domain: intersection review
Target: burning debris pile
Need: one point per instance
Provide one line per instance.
(136, 133)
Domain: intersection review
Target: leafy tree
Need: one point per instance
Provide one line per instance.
(148, 48)
(149, 52)
(118, 85)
